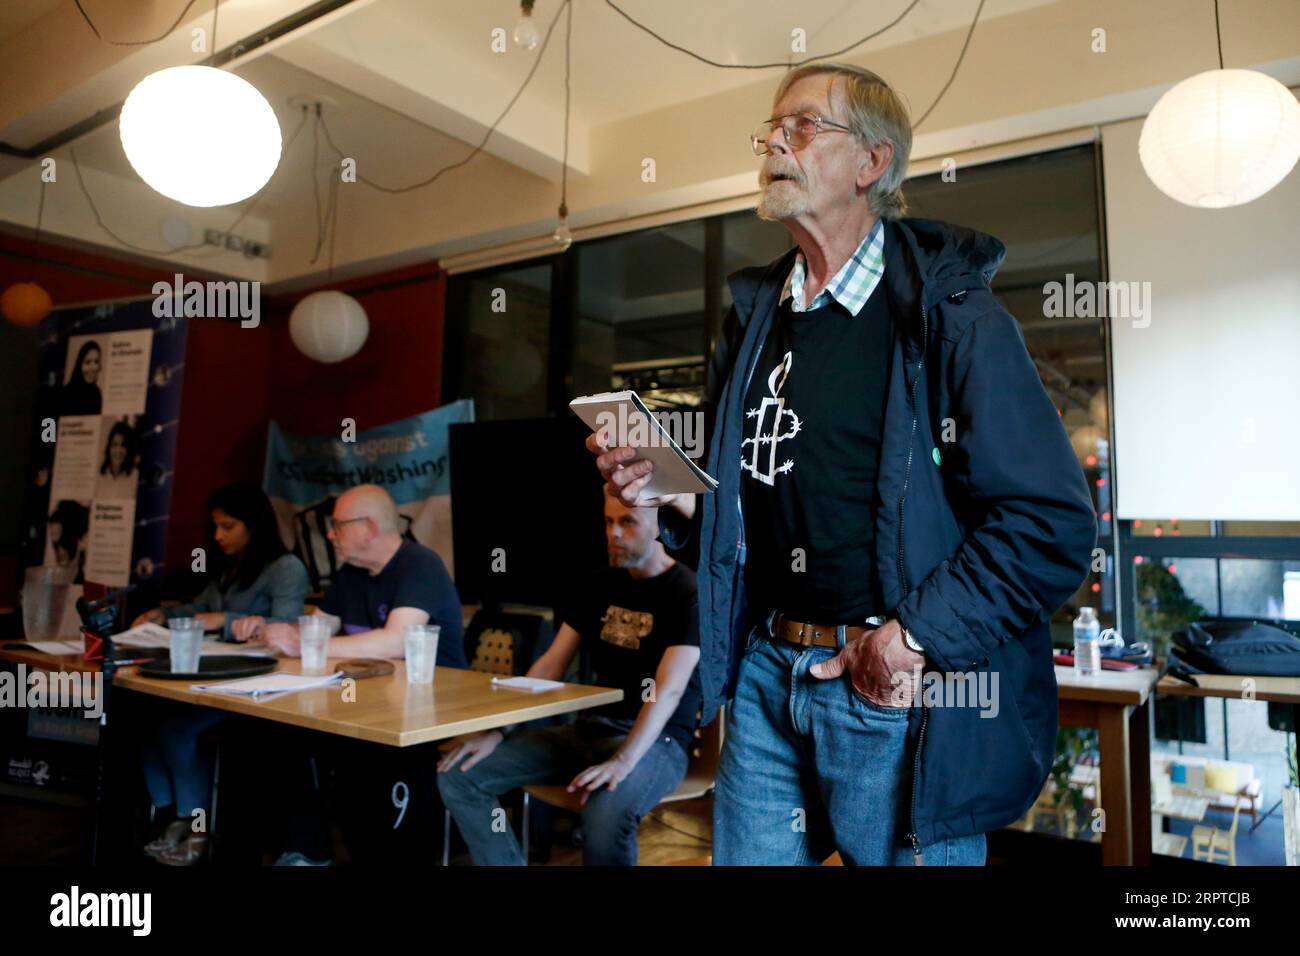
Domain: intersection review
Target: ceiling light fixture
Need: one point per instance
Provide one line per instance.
(525, 33)
(200, 136)
(1221, 138)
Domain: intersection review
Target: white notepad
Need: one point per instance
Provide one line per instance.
(146, 635)
(529, 685)
(268, 684)
(633, 425)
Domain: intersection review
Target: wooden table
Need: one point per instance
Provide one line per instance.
(1169, 844)
(388, 710)
(1184, 807)
(385, 710)
(1281, 690)
(1116, 703)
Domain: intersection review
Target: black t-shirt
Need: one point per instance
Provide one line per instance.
(626, 624)
(414, 577)
(808, 481)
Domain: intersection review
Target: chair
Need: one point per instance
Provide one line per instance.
(314, 545)
(1216, 844)
(701, 774)
(505, 643)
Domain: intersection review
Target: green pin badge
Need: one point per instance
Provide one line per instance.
(938, 458)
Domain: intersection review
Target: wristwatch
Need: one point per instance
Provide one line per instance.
(910, 641)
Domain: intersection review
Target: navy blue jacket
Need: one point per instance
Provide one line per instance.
(978, 540)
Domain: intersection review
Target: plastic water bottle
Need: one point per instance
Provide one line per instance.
(1087, 642)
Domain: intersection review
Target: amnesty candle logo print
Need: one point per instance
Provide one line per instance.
(775, 423)
(626, 628)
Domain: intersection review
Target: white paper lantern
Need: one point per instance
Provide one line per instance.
(199, 135)
(1221, 138)
(328, 326)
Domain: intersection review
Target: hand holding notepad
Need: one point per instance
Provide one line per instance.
(628, 423)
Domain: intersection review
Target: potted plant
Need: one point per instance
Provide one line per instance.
(1072, 744)
(1163, 607)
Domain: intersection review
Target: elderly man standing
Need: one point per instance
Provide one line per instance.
(897, 501)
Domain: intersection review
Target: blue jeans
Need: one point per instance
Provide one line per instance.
(176, 770)
(809, 766)
(555, 755)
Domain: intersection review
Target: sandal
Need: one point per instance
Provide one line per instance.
(171, 836)
(187, 852)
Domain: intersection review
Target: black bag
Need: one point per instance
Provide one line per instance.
(1245, 647)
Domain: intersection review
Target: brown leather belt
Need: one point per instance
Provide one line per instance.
(819, 635)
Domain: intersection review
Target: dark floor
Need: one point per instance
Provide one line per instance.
(40, 833)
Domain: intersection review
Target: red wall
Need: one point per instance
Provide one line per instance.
(397, 373)
(236, 379)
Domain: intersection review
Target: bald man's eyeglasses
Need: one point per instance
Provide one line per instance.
(333, 524)
(800, 129)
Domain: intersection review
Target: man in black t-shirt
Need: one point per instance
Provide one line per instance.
(386, 583)
(639, 621)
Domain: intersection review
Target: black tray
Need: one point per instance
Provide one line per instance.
(214, 666)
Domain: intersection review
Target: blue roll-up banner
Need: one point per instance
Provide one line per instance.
(408, 458)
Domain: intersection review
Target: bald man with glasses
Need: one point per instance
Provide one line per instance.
(386, 583)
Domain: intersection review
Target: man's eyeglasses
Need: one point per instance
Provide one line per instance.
(800, 129)
(332, 523)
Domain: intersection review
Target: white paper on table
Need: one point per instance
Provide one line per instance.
(56, 647)
(268, 684)
(229, 647)
(531, 685)
(146, 635)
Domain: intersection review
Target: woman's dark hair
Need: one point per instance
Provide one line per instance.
(76, 378)
(249, 504)
(73, 519)
(132, 442)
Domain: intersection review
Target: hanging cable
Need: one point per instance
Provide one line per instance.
(784, 65)
(1218, 36)
(564, 164)
(957, 66)
(162, 36)
(486, 136)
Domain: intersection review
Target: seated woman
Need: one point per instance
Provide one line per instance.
(250, 575)
(250, 572)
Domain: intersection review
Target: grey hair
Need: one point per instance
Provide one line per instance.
(876, 115)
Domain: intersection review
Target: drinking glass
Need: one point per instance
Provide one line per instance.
(421, 652)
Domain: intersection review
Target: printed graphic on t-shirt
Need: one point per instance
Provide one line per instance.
(774, 424)
(626, 628)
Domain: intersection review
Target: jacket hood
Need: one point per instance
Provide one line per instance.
(943, 251)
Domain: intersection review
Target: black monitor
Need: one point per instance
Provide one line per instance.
(527, 510)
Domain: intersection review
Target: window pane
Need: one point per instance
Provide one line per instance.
(1171, 593)
(640, 320)
(1262, 529)
(1170, 527)
(1255, 588)
(507, 339)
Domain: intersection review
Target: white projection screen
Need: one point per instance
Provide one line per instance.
(1206, 396)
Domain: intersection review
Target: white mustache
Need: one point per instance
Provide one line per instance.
(770, 172)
